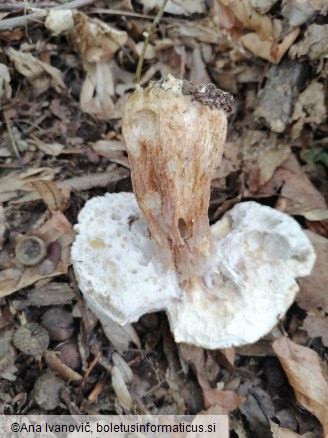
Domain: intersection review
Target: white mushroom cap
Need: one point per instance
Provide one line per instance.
(114, 260)
(259, 253)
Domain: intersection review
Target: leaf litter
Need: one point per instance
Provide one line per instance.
(63, 84)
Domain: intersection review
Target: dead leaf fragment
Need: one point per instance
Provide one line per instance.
(265, 40)
(309, 107)
(52, 196)
(227, 400)
(95, 40)
(281, 432)
(297, 193)
(313, 288)
(5, 88)
(297, 12)
(97, 91)
(64, 371)
(302, 368)
(56, 230)
(39, 74)
(317, 326)
(314, 44)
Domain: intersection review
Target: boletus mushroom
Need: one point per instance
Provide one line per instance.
(221, 285)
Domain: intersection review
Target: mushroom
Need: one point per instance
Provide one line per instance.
(221, 285)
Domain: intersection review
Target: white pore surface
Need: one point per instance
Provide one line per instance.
(114, 261)
(253, 283)
(260, 252)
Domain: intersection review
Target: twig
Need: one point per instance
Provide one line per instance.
(11, 7)
(12, 140)
(13, 23)
(146, 42)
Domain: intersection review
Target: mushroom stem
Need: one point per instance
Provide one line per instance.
(175, 141)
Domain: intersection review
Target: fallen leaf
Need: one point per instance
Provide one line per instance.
(313, 288)
(227, 400)
(297, 12)
(314, 43)
(265, 40)
(277, 98)
(39, 74)
(195, 356)
(270, 50)
(64, 371)
(281, 432)
(56, 229)
(176, 7)
(309, 107)
(52, 196)
(297, 194)
(5, 88)
(95, 40)
(53, 149)
(302, 368)
(97, 92)
(120, 336)
(317, 326)
(13, 183)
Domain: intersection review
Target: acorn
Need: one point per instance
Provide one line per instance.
(46, 391)
(31, 339)
(59, 324)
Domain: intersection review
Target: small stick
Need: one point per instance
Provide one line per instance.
(5, 7)
(146, 42)
(12, 140)
(88, 371)
(13, 23)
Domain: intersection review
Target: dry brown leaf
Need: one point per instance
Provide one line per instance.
(270, 50)
(227, 400)
(96, 41)
(281, 432)
(297, 12)
(176, 7)
(313, 288)
(309, 107)
(97, 91)
(5, 88)
(39, 74)
(226, 358)
(3, 226)
(250, 18)
(56, 230)
(105, 147)
(302, 367)
(52, 196)
(297, 194)
(314, 44)
(83, 182)
(64, 371)
(14, 182)
(53, 149)
(317, 326)
(265, 41)
(195, 356)
(120, 336)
